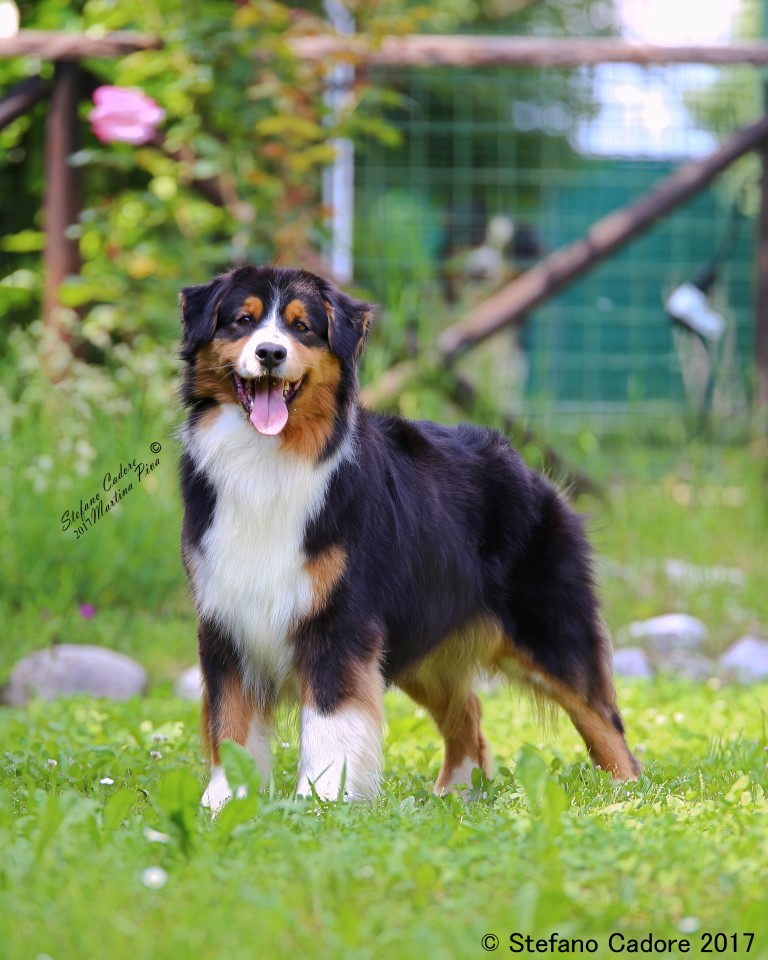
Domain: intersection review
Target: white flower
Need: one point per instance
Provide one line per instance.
(689, 925)
(154, 878)
(155, 836)
(106, 781)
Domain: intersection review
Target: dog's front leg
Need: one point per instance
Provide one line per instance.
(341, 735)
(229, 712)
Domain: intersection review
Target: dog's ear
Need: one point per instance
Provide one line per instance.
(349, 322)
(199, 314)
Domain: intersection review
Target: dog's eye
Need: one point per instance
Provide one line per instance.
(244, 318)
(300, 327)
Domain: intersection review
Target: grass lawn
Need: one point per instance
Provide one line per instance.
(94, 797)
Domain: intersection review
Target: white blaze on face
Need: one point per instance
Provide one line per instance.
(248, 364)
(269, 413)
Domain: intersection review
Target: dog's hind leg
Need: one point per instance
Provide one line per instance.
(457, 712)
(593, 712)
(557, 642)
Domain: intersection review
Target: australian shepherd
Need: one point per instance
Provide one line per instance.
(332, 551)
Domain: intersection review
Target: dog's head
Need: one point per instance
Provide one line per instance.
(284, 344)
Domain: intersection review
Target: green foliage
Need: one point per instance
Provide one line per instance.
(233, 176)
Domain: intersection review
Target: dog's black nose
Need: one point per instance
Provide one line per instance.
(271, 354)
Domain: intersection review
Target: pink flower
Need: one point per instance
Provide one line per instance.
(87, 612)
(123, 114)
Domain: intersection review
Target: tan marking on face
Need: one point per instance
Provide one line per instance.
(313, 411)
(326, 571)
(296, 310)
(213, 367)
(254, 306)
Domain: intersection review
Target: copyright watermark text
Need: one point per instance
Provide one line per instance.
(704, 942)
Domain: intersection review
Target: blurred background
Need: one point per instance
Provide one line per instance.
(436, 185)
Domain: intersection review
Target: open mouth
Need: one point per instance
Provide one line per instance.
(266, 401)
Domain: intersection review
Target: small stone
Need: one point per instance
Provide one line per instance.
(685, 664)
(680, 571)
(747, 660)
(672, 631)
(189, 685)
(68, 669)
(631, 662)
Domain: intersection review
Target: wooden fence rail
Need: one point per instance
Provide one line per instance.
(491, 51)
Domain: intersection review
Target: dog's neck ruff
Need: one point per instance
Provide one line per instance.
(248, 571)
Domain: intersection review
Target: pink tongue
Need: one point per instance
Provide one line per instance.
(269, 413)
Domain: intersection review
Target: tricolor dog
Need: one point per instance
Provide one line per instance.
(332, 551)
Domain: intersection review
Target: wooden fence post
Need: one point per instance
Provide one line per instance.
(62, 188)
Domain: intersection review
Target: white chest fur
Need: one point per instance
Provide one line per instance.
(249, 571)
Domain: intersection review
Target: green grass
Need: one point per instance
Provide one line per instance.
(552, 845)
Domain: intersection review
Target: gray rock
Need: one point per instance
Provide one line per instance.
(189, 685)
(672, 631)
(746, 660)
(68, 669)
(680, 571)
(631, 662)
(687, 664)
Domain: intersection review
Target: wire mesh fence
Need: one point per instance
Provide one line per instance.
(499, 166)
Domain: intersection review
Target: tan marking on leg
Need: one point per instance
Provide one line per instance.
(458, 717)
(367, 689)
(205, 724)
(232, 716)
(606, 745)
(442, 683)
(326, 570)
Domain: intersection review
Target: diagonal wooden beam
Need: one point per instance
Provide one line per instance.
(21, 98)
(608, 235)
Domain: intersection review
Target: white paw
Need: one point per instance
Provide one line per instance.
(218, 791)
(326, 787)
(458, 781)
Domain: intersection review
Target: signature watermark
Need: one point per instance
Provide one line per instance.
(115, 486)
